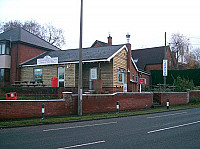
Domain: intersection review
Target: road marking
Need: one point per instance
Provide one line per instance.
(80, 145)
(80, 126)
(173, 127)
(167, 115)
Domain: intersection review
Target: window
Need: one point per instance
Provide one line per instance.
(136, 77)
(4, 49)
(120, 77)
(61, 77)
(133, 76)
(170, 64)
(5, 74)
(37, 76)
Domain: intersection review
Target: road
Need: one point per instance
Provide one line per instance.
(177, 129)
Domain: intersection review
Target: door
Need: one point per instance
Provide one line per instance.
(61, 76)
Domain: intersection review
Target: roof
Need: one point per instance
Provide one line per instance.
(100, 43)
(143, 57)
(72, 56)
(19, 34)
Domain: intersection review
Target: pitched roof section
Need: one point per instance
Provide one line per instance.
(99, 43)
(19, 34)
(89, 55)
(143, 57)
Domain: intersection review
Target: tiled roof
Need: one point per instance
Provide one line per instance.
(19, 34)
(148, 56)
(71, 56)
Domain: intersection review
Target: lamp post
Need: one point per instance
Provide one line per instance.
(80, 90)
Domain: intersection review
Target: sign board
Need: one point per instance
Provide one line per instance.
(165, 73)
(142, 81)
(47, 60)
(93, 73)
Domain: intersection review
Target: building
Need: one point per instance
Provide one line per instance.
(17, 46)
(106, 68)
(152, 58)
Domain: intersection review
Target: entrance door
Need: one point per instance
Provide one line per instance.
(61, 76)
(92, 76)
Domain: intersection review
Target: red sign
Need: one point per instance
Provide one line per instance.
(142, 81)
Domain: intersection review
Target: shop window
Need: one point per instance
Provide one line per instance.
(120, 77)
(37, 74)
(5, 74)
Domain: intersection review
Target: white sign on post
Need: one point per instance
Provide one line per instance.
(165, 73)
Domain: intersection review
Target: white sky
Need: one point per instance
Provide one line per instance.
(145, 20)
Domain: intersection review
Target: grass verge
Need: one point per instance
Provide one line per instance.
(74, 118)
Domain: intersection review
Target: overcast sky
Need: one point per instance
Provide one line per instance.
(145, 20)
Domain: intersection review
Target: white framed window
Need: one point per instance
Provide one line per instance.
(61, 76)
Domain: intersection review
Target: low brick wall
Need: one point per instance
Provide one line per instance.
(175, 98)
(10, 109)
(107, 103)
(195, 94)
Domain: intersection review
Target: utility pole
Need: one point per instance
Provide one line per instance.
(80, 90)
(165, 59)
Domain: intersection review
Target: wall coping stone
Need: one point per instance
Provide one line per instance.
(127, 93)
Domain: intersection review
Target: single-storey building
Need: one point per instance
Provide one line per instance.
(108, 68)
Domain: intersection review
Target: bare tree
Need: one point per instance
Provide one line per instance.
(180, 45)
(47, 32)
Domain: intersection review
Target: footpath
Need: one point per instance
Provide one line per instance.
(13, 123)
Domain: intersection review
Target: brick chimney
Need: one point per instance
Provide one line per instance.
(109, 40)
(128, 45)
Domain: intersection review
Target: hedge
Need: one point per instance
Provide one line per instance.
(189, 74)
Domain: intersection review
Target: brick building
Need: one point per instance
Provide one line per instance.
(17, 46)
(152, 58)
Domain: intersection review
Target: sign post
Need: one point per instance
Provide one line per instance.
(141, 81)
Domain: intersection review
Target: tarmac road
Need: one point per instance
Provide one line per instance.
(175, 129)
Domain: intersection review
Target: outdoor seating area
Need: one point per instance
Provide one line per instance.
(28, 84)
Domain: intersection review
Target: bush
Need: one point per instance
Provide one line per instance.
(195, 100)
(182, 84)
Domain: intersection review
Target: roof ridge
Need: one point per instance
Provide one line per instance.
(150, 48)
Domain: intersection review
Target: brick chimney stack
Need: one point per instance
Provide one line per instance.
(128, 45)
(109, 40)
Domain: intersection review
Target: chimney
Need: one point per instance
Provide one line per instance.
(128, 45)
(109, 40)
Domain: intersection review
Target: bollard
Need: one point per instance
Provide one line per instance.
(167, 103)
(42, 111)
(117, 107)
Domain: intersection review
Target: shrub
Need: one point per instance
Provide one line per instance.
(182, 84)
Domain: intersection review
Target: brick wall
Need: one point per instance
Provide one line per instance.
(28, 109)
(195, 93)
(107, 102)
(175, 98)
